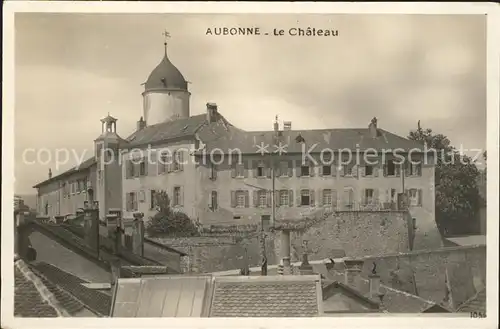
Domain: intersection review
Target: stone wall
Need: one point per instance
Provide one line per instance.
(352, 233)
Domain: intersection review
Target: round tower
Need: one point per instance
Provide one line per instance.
(166, 95)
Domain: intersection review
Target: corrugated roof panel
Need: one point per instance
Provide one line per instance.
(161, 296)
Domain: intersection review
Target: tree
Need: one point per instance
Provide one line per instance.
(168, 221)
(457, 194)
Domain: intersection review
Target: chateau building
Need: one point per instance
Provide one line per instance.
(220, 174)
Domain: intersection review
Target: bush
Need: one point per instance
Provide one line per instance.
(168, 221)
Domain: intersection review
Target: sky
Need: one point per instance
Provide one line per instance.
(72, 69)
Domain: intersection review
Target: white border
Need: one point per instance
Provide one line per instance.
(396, 321)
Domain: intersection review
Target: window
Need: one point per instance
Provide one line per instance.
(177, 196)
(142, 168)
(152, 200)
(415, 197)
(164, 162)
(368, 170)
(213, 171)
(391, 168)
(178, 161)
(261, 170)
(283, 168)
(284, 198)
(349, 198)
(369, 193)
(393, 195)
(305, 198)
(327, 170)
(213, 198)
(131, 201)
(304, 170)
(414, 169)
(240, 199)
(240, 170)
(262, 198)
(327, 197)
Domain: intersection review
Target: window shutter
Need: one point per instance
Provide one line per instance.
(407, 167)
(128, 169)
(233, 170)
(160, 167)
(268, 171)
(146, 165)
(342, 170)
(311, 169)
(247, 199)
(168, 160)
(321, 197)
(419, 169)
(290, 168)
(255, 198)
(375, 196)
(245, 168)
(363, 197)
(290, 198)
(312, 198)
(269, 197)
(398, 170)
(299, 199)
(375, 171)
(355, 171)
(334, 198)
(298, 165)
(362, 171)
(210, 201)
(320, 170)
(255, 168)
(181, 196)
(407, 193)
(277, 200)
(420, 197)
(181, 159)
(233, 199)
(385, 170)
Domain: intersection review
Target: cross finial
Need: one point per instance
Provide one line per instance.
(276, 118)
(166, 35)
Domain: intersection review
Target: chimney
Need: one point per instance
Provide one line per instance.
(276, 124)
(352, 271)
(115, 231)
(141, 124)
(372, 127)
(91, 225)
(138, 234)
(285, 251)
(374, 283)
(20, 239)
(287, 125)
(50, 173)
(115, 272)
(211, 112)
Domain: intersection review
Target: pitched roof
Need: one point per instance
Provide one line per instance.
(475, 304)
(36, 296)
(331, 287)
(82, 166)
(162, 296)
(98, 302)
(179, 128)
(230, 138)
(266, 296)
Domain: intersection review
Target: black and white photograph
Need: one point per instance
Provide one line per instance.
(250, 165)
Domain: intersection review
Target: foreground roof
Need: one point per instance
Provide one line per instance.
(207, 296)
(267, 296)
(162, 296)
(36, 296)
(475, 304)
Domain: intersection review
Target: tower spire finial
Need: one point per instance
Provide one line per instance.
(166, 35)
